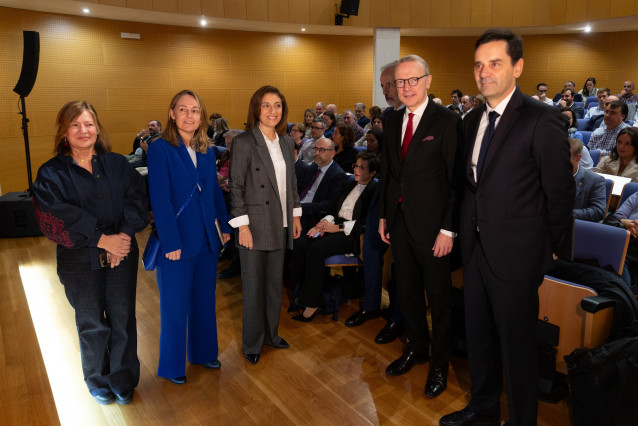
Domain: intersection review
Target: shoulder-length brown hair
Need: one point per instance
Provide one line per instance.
(200, 141)
(633, 134)
(67, 115)
(254, 109)
(348, 136)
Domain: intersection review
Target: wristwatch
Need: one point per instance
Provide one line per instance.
(341, 227)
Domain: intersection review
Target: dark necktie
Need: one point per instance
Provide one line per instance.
(312, 182)
(407, 137)
(487, 138)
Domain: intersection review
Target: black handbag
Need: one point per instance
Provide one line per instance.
(154, 245)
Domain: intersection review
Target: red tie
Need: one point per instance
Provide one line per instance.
(407, 137)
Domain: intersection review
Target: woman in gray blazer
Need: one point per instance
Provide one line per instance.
(623, 158)
(265, 211)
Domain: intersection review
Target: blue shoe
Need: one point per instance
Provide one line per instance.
(105, 398)
(214, 365)
(177, 380)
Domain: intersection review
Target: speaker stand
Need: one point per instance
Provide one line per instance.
(25, 133)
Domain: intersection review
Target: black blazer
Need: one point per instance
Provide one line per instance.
(360, 211)
(429, 179)
(523, 200)
(325, 199)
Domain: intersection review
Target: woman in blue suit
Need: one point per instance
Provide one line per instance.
(181, 172)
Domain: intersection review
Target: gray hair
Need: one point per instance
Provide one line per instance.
(319, 120)
(416, 58)
(390, 65)
(233, 132)
(361, 105)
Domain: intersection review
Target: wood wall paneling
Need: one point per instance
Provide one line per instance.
(523, 12)
(140, 4)
(169, 6)
(299, 11)
(481, 13)
(118, 3)
(278, 10)
(576, 10)
(257, 10)
(363, 18)
(420, 13)
(380, 13)
(189, 7)
(599, 9)
(558, 11)
(461, 15)
(502, 13)
(621, 8)
(235, 9)
(322, 12)
(400, 13)
(213, 8)
(542, 12)
(441, 15)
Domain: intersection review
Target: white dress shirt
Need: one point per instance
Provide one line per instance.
(347, 209)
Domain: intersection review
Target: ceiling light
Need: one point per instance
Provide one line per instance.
(587, 28)
(202, 22)
(85, 10)
(303, 30)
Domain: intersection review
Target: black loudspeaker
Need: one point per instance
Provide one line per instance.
(349, 7)
(30, 61)
(17, 216)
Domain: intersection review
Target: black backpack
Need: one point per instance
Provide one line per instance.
(604, 382)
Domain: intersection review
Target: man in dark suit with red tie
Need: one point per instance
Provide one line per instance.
(519, 192)
(417, 201)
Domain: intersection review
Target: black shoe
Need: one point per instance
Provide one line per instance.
(300, 317)
(294, 308)
(213, 365)
(252, 358)
(360, 317)
(177, 380)
(281, 345)
(232, 271)
(405, 362)
(466, 417)
(105, 398)
(226, 253)
(436, 383)
(125, 397)
(389, 333)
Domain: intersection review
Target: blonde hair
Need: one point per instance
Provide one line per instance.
(200, 141)
(66, 116)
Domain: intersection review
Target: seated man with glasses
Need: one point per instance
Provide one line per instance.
(318, 183)
(306, 154)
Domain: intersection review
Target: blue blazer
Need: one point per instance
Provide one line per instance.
(171, 177)
(591, 196)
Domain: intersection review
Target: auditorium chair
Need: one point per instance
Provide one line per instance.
(609, 187)
(590, 102)
(627, 191)
(586, 135)
(606, 244)
(595, 154)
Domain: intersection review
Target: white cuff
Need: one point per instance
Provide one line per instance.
(238, 221)
(348, 225)
(296, 212)
(448, 233)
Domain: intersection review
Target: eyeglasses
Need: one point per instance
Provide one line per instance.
(412, 81)
(362, 168)
(316, 127)
(295, 130)
(321, 150)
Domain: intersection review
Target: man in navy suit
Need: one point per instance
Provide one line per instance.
(519, 194)
(416, 205)
(320, 184)
(591, 196)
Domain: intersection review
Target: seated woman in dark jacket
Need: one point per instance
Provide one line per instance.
(333, 235)
(345, 152)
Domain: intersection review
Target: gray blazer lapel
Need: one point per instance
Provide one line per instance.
(264, 154)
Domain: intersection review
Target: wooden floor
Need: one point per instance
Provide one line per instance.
(331, 375)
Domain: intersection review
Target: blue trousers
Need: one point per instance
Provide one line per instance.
(104, 304)
(187, 309)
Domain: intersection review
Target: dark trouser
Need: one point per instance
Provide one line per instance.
(262, 281)
(500, 318)
(417, 269)
(187, 311)
(308, 263)
(373, 251)
(104, 303)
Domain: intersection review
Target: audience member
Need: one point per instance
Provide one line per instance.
(144, 135)
(377, 122)
(308, 116)
(478, 101)
(320, 108)
(144, 139)
(329, 118)
(541, 93)
(374, 112)
(374, 141)
(586, 161)
(319, 183)
(589, 89)
(349, 120)
(437, 101)
(182, 177)
(96, 253)
(571, 86)
(627, 215)
(456, 98)
(604, 138)
(335, 234)
(211, 131)
(221, 129)
(567, 101)
(297, 131)
(360, 112)
(421, 231)
(333, 109)
(599, 109)
(306, 153)
(591, 196)
(627, 93)
(230, 251)
(622, 159)
(466, 104)
(345, 152)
